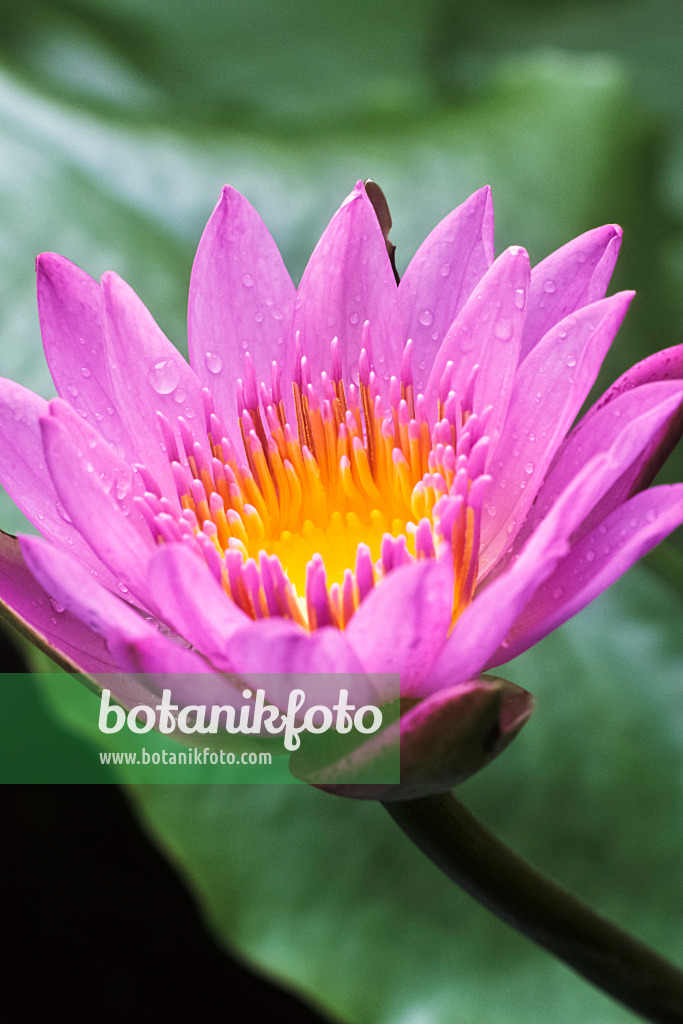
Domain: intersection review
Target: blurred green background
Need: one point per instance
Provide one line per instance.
(119, 122)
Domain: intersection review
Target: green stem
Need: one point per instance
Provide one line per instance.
(471, 856)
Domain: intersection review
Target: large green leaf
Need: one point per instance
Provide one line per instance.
(328, 895)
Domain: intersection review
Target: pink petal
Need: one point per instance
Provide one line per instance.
(94, 513)
(571, 277)
(191, 600)
(483, 626)
(549, 389)
(25, 477)
(135, 644)
(594, 563)
(278, 656)
(648, 408)
(116, 475)
(661, 366)
(442, 274)
(486, 333)
(349, 280)
(148, 376)
(31, 609)
(241, 299)
(70, 322)
(664, 365)
(402, 624)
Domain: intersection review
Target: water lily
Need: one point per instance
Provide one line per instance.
(355, 476)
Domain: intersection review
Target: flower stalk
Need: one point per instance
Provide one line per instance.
(494, 875)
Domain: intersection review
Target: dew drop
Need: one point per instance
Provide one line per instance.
(571, 361)
(244, 344)
(445, 269)
(590, 555)
(532, 437)
(519, 298)
(580, 257)
(179, 396)
(248, 281)
(277, 313)
(258, 317)
(503, 330)
(122, 587)
(435, 335)
(163, 376)
(110, 411)
(353, 319)
(73, 390)
(58, 607)
(558, 592)
(426, 317)
(549, 287)
(492, 510)
(529, 468)
(85, 372)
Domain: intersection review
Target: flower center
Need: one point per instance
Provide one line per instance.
(315, 513)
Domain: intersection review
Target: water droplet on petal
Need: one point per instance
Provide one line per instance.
(519, 298)
(58, 607)
(549, 287)
(503, 330)
(258, 317)
(179, 396)
(590, 555)
(571, 361)
(426, 317)
(558, 592)
(248, 281)
(122, 587)
(86, 372)
(353, 319)
(244, 344)
(580, 257)
(163, 376)
(73, 390)
(445, 269)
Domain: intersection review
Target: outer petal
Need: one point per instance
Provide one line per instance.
(486, 334)
(94, 512)
(549, 389)
(191, 600)
(30, 609)
(117, 477)
(571, 277)
(349, 280)
(148, 376)
(487, 621)
(135, 644)
(70, 322)
(320, 662)
(649, 408)
(25, 477)
(241, 299)
(402, 624)
(594, 563)
(664, 365)
(442, 274)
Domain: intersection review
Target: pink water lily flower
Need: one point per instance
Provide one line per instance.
(352, 476)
